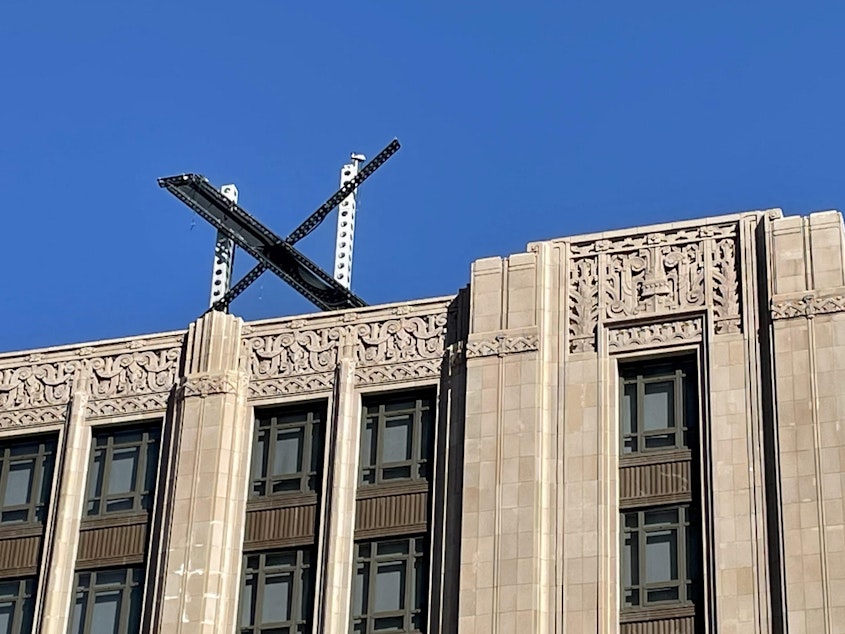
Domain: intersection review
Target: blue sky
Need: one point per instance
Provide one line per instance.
(517, 124)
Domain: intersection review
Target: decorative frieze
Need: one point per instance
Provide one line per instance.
(655, 335)
(640, 276)
(807, 306)
(209, 384)
(37, 393)
(36, 389)
(131, 382)
(502, 344)
(405, 344)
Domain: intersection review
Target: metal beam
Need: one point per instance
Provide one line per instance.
(265, 246)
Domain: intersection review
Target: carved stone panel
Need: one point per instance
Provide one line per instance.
(654, 335)
(404, 343)
(633, 277)
(807, 306)
(120, 377)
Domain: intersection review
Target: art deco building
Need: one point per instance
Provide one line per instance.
(636, 431)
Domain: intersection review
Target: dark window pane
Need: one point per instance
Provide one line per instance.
(630, 561)
(662, 516)
(397, 473)
(104, 619)
(7, 612)
(661, 556)
(628, 415)
(124, 467)
(390, 587)
(19, 483)
(664, 594)
(277, 595)
(359, 597)
(389, 624)
(658, 405)
(397, 439)
(660, 442)
(247, 606)
(288, 451)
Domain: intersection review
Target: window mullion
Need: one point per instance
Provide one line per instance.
(305, 463)
(379, 431)
(640, 414)
(141, 475)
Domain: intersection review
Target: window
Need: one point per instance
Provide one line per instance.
(26, 475)
(277, 593)
(17, 605)
(389, 588)
(122, 472)
(108, 601)
(396, 438)
(288, 450)
(660, 557)
(658, 408)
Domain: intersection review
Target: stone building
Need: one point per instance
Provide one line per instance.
(635, 431)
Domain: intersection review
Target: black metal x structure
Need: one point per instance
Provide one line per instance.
(271, 251)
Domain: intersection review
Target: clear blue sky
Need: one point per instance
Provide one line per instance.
(517, 124)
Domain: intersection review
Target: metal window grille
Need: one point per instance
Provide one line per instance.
(660, 557)
(17, 605)
(657, 408)
(288, 450)
(389, 588)
(108, 601)
(26, 475)
(396, 438)
(122, 470)
(277, 592)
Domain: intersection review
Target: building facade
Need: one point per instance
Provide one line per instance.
(636, 431)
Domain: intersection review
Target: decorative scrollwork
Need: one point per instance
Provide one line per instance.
(131, 373)
(637, 276)
(655, 335)
(501, 345)
(808, 306)
(725, 288)
(401, 339)
(583, 305)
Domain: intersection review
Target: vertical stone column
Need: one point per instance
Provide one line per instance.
(59, 590)
(212, 454)
(338, 535)
(508, 519)
(808, 313)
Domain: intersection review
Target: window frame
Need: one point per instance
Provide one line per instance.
(23, 603)
(372, 468)
(313, 444)
(133, 582)
(41, 478)
(367, 560)
(302, 590)
(145, 477)
(686, 551)
(683, 376)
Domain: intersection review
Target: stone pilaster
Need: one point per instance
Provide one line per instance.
(338, 535)
(509, 486)
(808, 356)
(60, 589)
(212, 454)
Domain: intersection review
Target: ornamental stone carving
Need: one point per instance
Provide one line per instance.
(209, 384)
(401, 339)
(655, 335)
(37, 389)
(632, 277)
(406, 343)
(808, 306)
(502, 344)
